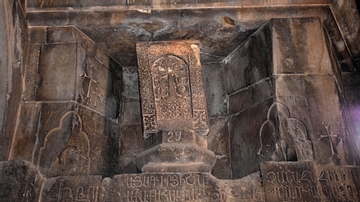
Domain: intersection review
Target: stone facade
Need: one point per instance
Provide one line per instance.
(179, 101)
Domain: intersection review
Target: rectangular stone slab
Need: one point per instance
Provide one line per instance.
(171, 87)
(307, 181)
(164, 187)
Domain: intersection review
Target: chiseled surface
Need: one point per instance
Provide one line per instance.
(277, 90)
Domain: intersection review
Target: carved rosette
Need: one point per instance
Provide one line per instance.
(171, 87)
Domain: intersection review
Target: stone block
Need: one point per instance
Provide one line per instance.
(85, 3)
(171, 87)
(19, 181)
(234, 68)
(183, 137)
(222, 167)
(71, 155)
(127, 165)
(131, 84)
(104, 135)
(32, 3)
(179, 157)
(289, 181)
(48, 18)
(167, 187)
(299, 181)
(131, 144)
(322, 100)
(26, 133)
(57, 66)
(32, 76)
(60, 35)
(248, 188)
(251, 95)
(139, 2)
(244, 131)
(132, 113)
(215, 89)
(80, 188)
(183, 187)
(37, 35)
(96, 88)
(250, 62)
(284, 138)
(299, 47)
(51, 114)
(218, 138)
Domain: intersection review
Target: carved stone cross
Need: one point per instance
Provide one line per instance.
(173, 106)
(330, 135)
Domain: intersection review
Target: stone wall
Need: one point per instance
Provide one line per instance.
(13, 43)
(280, 84)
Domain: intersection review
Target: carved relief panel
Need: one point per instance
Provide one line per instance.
(66, 148)
(171, 87)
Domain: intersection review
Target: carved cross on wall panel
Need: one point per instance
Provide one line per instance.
(171, 87)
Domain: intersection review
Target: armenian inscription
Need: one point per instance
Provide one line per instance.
(165, 187)
(305, 181)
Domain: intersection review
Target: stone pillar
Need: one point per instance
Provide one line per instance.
(174, 113)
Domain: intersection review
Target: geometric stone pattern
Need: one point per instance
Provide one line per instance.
(171, 87)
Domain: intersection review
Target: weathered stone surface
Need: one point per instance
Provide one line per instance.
(131, 140)
(218, 138)
(284, 138)
(299, 47)
(299, 181)
(215, 89)
(131, 84)
(12, 60)
(251, 95)
(273, 94)
(104, 138)
(250, 62)
(173, 105)
(37, 35)
(60, 35)
(63, 57)
(327, 110)
(132, 113)
(71, 156)
(222, 167)
(19, 181)
(245, 138)
(32, 77)
(171, 87)
(182, 187)
(168, 157)
(26, 135)
(85, 188)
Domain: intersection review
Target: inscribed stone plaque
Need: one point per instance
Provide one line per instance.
(164, 187)
(338, 183)
(289, 181)
(171, 87)
(75, 188)
(307, 181)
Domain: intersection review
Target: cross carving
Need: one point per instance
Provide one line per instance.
(330, 135)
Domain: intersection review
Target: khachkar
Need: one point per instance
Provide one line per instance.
(173, 104)
(177, 164)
